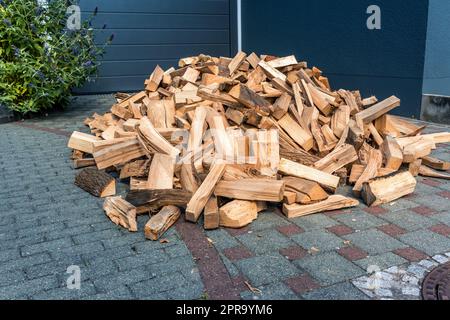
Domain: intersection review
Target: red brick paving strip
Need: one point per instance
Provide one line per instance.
(352, 253)
(375, 210)
(392, 230)
(290, 230)
(293, 252)
(424, 211)
(39, 128)
(442, 229)
(411, 254)
(237, 253)
(334, 213)
(237, 232)
(431, 183)
(302, 284)
(341, 230)
(444, 194)
(216, 279)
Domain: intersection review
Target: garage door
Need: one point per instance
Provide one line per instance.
(151, 32)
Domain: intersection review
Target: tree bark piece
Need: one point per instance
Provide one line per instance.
(334, 202)
(121, 212)
(159, 198)
(291, 168)
(238, 213)
(201, 196)
(161, 222)
(137, 168)
(251, 189)
(383, 190)
(97, 183)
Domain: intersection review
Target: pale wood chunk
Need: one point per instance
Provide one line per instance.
(250, 99)
(414, 167)
(428, 172)
(153, 82)
(211, 214)
(161, 222)
(338, 158)
(271, 71)
(251, 189)
(310, 188)
(82, 142)
(152, 141)
(436, 163)
(282, 62)
(161, 172)
(118, 153)
(392, 153)
(253, 60)
(121, 212)
(333, 202)
(296, 132)
(377, 110)
(201, 196)
(238, 213)
(281, 106)
(386, 189)
(236, 62)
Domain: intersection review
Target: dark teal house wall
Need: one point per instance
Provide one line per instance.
(333, 36)
(437, 63)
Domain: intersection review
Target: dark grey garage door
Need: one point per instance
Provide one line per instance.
(150, 32)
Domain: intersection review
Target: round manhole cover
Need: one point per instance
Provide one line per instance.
(436, 285)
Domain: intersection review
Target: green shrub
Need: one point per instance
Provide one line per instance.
(42, 60)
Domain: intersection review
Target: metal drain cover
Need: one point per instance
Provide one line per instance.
(436, 285)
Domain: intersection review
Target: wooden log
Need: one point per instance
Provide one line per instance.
(340, 119)
(201, 196)
(211, 214)
(253, 60)
(427, 172)
(338, 158)
(238, 213)
(414, 167)
(82, 142)
(435, 163)
(334, 202)
(152, 141)
(283, 62)
(251, 189)
(289, 197)
(97, 183)
(236, 61)
(371, 170)
(137, 168)
(377, 110)
(392, 153)
(375, 134)
(81, 163)
(291, 168)
(358, 169)
(159, 198)
(296, 132)
(383, 190)
(235, 115)
(118, 153)
(190, 75)
(153, 82)
(271, 72)
(161, 172)
(350, 100)
(121, 212)
(417, 150)
(250, 99)
(281, 106)
(310, 188)
(161, 222)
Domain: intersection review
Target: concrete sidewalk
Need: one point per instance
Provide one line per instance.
(48, 224)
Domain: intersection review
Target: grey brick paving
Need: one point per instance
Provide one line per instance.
(47, 224)
(374, 241)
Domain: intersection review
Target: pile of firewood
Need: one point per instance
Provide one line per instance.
(225, 137)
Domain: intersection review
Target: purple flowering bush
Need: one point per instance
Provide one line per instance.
(40, 59)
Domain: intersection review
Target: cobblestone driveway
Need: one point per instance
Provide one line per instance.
(47, 224)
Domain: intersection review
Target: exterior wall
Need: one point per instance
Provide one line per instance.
(437, 62)
(333, 36)
(153, 32)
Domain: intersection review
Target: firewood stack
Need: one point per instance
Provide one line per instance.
(224, 137)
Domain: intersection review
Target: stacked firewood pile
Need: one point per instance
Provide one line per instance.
(224, 137)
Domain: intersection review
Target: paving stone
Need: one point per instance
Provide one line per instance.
(441, 259)
(441, 229)
(261, 270)
(46, 246)
(374, 241)
(28, 288)
(427, 241)
(340, 230)
(237, 253)
(339, 291)
(392, 230)
(408, 220)
(377, 210)
(192, 291)
(111, 282)
(352, 253)
(17, 264)
(360, 220)
(86, 289)
(158, 284)
(222, 239)
(411, 254)
(273, 291)
(432, 201)
(267, 220)
(399, 204)
(132, 262)
(290, 229)
(319, 239)
(313, 222)
(11, 277)
(442, 217)
(302, 283)
(293, 252)
(265, 241)
(382, 261)
(119, 293)
(329, 268)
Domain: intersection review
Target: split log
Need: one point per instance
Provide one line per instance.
(152, 141)
(338, 158)
(358, 169)
(383, 190)
(137, 168)
(159, 198)
(251, 189)
(334, 202)
(281, 106)
(377, 110)
(121, 212)
(161, 172)
(153, 82)
(81, 163)
(238, 213)
(97, 183)
(282, 62)
(291, 168)
(416, 150)
(236, 62)
(250, 99)
(271, 71)
(201, 196)
(427, 172)
(82, 142)
(161, 222)
(211, 214)
(118, 153)
(414, 167)
(373, 163)
(392, 153)
(310, 188)
(435, 163)
(296, 132)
